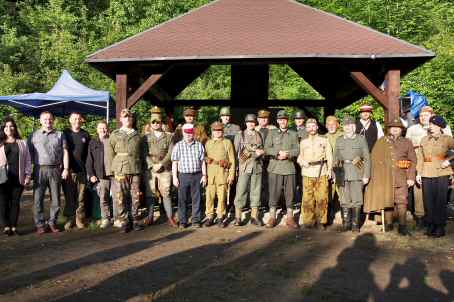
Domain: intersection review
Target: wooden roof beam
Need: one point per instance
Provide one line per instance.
(363, 81)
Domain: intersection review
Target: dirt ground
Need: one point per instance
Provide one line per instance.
(233, 264)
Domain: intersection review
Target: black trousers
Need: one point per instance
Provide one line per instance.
(10, 194)
(189, 191)
(279, 184)
(435, 192)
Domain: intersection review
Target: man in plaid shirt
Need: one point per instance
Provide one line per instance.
(189, 171)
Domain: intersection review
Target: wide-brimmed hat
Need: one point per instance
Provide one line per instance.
(217, 126)
(395, 122)
(366, 108)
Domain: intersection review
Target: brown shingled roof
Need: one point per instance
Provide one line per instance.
(249, 29)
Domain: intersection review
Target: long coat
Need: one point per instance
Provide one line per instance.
(385, 175)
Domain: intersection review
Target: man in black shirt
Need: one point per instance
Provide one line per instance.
(74, 186)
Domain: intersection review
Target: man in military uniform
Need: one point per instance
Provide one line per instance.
(230, 129)
(249, 147)
(264, 128)
(332, 125)
(315, 159)
(281, 145)
(125, 165)
(299, 124)
(200, 133)
(352, 166)
(393, 172)
(220, 159)
(156, 150)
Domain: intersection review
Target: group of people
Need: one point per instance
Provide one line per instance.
(259, 166)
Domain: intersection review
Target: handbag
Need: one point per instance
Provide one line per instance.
(3, 174)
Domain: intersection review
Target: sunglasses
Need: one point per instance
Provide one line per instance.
(155, 122)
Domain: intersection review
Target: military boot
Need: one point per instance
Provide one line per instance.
(402, 217)
(290, 220)
(356, 216)
(210, 221)
(272, 220)
(255, 217)
(346, 219)
(80, 223)
(439, 231)
(430, 230)
(419, 221)
(238, 213)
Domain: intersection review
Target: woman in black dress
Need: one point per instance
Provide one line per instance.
(15, 156)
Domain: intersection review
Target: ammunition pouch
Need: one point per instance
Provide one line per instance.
(358, 162)
(209, 160)
(244, 155)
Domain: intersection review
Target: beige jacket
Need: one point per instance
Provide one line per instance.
(312, 149)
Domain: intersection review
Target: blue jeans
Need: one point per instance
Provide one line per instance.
(189, 190)
(46, 176)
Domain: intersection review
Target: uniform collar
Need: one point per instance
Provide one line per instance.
(283, 130)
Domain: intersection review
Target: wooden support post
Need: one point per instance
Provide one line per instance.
(370, 88)
(121, 95)
(147, 85)
(392, 91)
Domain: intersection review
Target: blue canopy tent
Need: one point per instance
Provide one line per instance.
(65, 97)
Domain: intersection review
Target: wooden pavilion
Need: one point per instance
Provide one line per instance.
(342, 60)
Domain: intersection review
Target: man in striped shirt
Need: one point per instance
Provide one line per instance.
(189, 171)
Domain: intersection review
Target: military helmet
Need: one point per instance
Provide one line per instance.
(282, 114)
(299, 114)
(263, 113)
(250, 118)
(217, 126)
(225, 111)
(395, 122)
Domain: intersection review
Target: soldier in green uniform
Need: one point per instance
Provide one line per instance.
(220, 158)
(281, 146)
(124, 163)
(230, 129)
(352, 164)
(156, 150)
(249, 147)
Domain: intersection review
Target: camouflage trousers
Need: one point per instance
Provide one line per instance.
(74, 190)
(126, 192)
(315, 200)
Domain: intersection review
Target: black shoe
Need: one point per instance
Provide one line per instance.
(182, 225)
(430, 230)
(356, 216)
(346, 219)
(439, 232)
(402, 230)
(237, 222)
(15, 232)
(389, 227)
(257, 222)
(222, 222)
(137, 226)
(209, 222)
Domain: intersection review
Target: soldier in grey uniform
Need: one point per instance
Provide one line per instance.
(299, 125)
(230, 129)
(249, 147)
(281, 146)
(352, 166)
(124, 163)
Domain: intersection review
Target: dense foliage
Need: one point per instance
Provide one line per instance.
(40, 38)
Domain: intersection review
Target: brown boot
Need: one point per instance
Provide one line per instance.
(238, 213)
(80, 223)
(255, 218)
(272, 220)
(290, 221)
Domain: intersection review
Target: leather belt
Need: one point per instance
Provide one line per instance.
(438, 158)
(317, 163)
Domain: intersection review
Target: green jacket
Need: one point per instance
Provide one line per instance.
(282, 141)
(123, 153)
(157, 150)
(348, 149)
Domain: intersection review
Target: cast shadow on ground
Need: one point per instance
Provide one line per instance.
(351, 279)
(14, 283)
